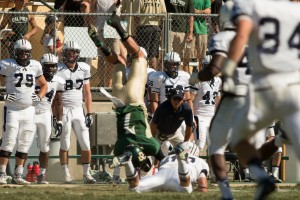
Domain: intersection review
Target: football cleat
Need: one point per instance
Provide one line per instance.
(17, 179)
(247, 180)
(68, 180)
(181, 154)
(121, 160)
(3, 178)
(42, 179)
(264, 187)
(118, 7)
(88, 179)
(277, 180)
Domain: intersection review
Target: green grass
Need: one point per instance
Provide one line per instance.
(108, 192)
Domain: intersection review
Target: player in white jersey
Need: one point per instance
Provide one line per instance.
(206, 97)
(161, 82)
(176, 172)
(150, 72)
(274, 55)
(43, 112)
(77, 88)
(21, 74)
(231, 103)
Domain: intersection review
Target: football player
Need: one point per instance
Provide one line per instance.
(128, 95)
(206, 97)
(232, 101)
(77, 89)
(21, 74)
(176, 172)
(161, 82)
(43, 112)
(253, 19)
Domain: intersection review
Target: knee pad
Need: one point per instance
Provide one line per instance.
(21, 155)
(5, 154)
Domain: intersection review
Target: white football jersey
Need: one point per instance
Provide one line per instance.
(20, 80)
(74, 81)
(56, 84)
(274, 43)
(160, 82)
(197, 165)
(220, 43)
(150, 72)
(205, 95)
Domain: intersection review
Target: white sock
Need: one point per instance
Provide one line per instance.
(86, 169)
(19, 169)
(183, 167)
(42, 171)
(225, 189)
(3, 169)
(257, 172)
(116, 173)
(66, 169)
(275, 171)
(130, 171)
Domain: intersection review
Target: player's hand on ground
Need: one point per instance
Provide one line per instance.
(35, 97)
(10, 97)
(89, 120)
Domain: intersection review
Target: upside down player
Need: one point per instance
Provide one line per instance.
(21, 74)
(128, 97)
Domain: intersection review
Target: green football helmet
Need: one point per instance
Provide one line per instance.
(139, 159)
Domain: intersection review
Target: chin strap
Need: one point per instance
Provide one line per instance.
(23, 64)
(174, 76)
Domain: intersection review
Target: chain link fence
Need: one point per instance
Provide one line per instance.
(61, 27)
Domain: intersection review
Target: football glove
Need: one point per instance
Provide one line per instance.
(89, 120)
(9, 97)
(58, 128)
(149, 118)
(228, 84)
(35, 97)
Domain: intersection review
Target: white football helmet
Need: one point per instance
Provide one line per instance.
(22, 52)
(225, 14)
(172, 63)
(49, 58)
(71, 46)
(49, 63)
(190, 147)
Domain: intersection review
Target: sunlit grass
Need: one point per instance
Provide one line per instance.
(108, 192)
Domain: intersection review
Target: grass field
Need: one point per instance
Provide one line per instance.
(120, 192)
